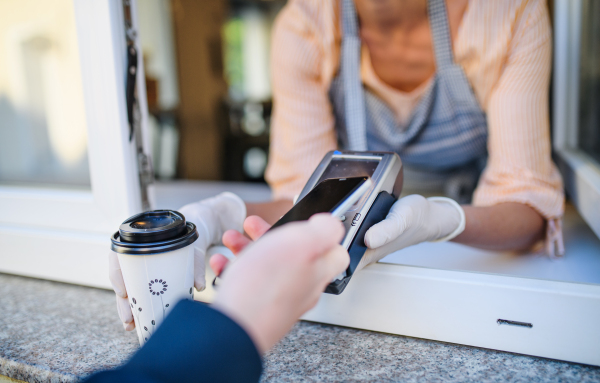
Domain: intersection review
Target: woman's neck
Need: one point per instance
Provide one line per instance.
(386, 15)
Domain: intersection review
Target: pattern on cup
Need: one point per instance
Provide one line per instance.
(158, 287)
(137, 312)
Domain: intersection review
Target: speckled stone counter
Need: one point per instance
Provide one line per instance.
(54, 332)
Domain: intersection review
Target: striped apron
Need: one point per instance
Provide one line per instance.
(443, 146)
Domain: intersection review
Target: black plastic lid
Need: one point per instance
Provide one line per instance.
(152, 226)
(155, 231)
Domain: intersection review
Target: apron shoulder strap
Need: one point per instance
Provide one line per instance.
(440, 31)
(355, 113)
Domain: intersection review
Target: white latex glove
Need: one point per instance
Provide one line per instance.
(212, 217)
(412, 220)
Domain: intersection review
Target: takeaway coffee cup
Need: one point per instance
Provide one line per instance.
(156, 255)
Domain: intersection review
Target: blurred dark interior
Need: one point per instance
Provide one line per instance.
(209, 91)
(208, 86)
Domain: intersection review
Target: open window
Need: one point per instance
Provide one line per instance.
(576, 103)
(523, 303)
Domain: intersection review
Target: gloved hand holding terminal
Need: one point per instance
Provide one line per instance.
(413, 219)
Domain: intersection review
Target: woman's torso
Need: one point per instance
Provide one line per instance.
(491, 45)
(480, 48)
(447, 130)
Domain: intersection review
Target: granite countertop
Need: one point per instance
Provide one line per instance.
(55, 332)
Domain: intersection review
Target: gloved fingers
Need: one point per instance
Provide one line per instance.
(115, 275)
(213, 216)
(198, 214)
(207, 223)
(118, 284)
(385, 231)
(363, 262)
(124, 310)
(231, 209)
(370, 256)
(205, 219)
(400, 242)
(199, 269)
(255, 227)
(374, 255)
(394, 225)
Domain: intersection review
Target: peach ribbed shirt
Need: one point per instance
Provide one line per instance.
(504, 47)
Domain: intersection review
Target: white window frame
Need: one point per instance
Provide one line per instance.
(501, 301)
(581, 173)
(63, 234)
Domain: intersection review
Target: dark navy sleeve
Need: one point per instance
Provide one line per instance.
(195, 343)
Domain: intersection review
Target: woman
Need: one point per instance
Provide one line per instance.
(452, 86)
(439, 88)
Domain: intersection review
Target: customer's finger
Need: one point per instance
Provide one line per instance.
(217, 263)
(306, 238)
(115, 275)
(235, 241)
(255, 227)
(129, 326)
(325, 231)
(333, 262)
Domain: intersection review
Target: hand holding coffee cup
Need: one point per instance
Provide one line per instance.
(212, 218)
(156, 255)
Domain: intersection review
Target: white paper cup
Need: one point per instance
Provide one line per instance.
(155, 283)
(156, 255)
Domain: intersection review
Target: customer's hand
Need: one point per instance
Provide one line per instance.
(235, 241)
(212, 217)
(412, 220)
(278, 278)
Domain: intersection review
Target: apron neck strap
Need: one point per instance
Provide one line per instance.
(355, 109)
(349, 19)
(440, 31)
(438, 21)
(354, 97)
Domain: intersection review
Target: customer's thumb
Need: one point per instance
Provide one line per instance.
(333, 262)
(325, 231)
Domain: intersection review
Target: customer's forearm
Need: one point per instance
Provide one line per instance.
(194, 343)
(506, 226)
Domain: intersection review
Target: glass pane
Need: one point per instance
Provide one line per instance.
(589, 109)
(43, 138)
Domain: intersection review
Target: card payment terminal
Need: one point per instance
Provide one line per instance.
(385, 171)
